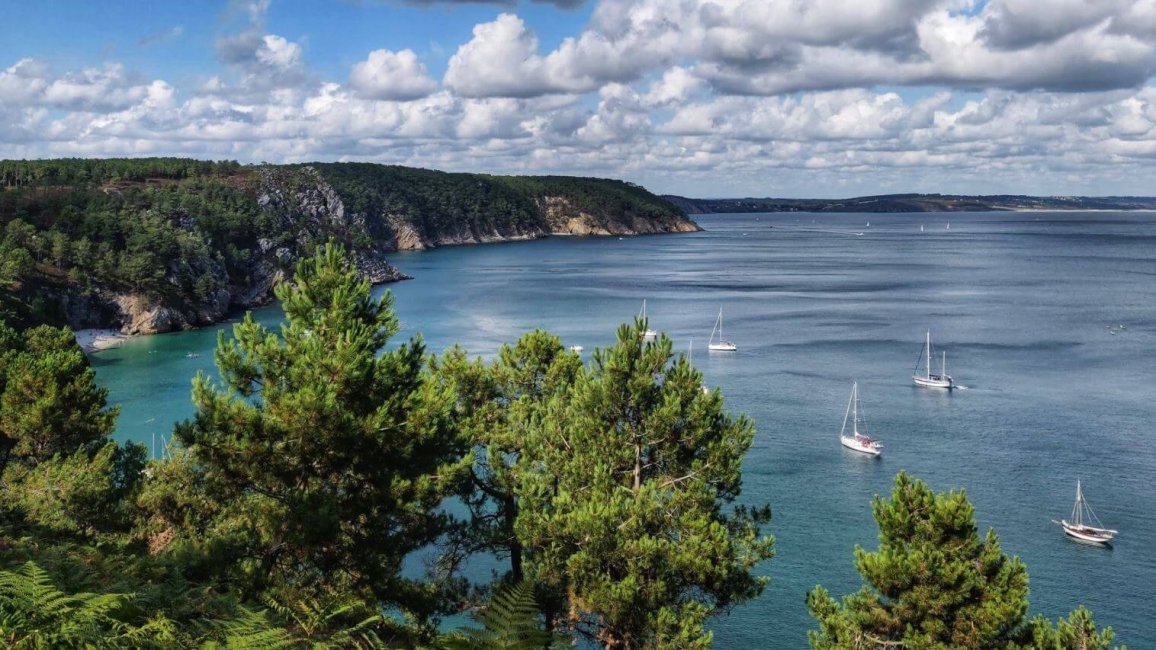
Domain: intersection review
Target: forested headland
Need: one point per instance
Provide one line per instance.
(154, 244)
(326, 455)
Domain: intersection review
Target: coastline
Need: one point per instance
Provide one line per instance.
(95, 340)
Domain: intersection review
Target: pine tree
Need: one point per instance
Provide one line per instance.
(934, 583)
(629, 513)
(82, 494)
(500, 408)
(340, 450)
(49, 401)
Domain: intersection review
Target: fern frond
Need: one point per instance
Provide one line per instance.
(510, 622)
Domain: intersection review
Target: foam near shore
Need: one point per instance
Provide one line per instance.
(95, 340)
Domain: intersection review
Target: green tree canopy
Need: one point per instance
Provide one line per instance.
(629, 510)
(49, 401)
(340, 449)
(500, 411)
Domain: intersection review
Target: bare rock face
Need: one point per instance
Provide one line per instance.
(406, 237)
(310, 212)
(567, 219)
(377, 270)
(143, 315)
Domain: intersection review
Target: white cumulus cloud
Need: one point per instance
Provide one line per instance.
(391, 75)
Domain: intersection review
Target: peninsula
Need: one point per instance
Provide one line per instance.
(157, 244)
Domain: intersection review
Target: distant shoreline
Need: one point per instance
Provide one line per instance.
(918, 203)
(1077, 210)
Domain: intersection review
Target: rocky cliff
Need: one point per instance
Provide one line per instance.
(414, 209)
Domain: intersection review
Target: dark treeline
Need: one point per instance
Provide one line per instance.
(83, 172)
(324, 457)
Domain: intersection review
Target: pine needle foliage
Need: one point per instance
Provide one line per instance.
(1076, 632)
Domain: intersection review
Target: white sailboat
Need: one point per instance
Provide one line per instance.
(856, 440)
(926, 379)
(721, 345)
(649, 334)
(1077, 529)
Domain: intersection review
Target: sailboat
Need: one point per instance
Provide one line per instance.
(856, 440)
(926, 379)
(721, 345)
(1081, 531)
(649, 334)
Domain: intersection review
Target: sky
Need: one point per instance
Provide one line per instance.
(703, 98)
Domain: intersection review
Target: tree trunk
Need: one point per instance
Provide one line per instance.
(511, 508)
(637, 465)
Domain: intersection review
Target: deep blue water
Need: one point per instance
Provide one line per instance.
(1048, 320)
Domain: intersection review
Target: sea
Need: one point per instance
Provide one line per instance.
(1048, 321)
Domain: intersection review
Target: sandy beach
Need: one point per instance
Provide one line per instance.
(95, 340)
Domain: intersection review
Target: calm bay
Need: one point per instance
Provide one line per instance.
(1048, 321)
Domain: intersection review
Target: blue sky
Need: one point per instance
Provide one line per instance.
(701, 97)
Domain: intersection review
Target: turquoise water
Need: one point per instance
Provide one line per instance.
(1048, 320)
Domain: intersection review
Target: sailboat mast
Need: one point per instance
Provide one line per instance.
(847, 413)
(929, 355)
(855, 408)
(943, 366)
(1078, 510)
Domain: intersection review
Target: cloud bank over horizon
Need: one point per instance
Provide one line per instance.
(697, 97)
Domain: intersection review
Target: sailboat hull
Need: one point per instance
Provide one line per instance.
(1087, 534)
(934, 381)
(723, 346)
(855, 444)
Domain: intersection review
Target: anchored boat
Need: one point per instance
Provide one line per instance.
(721, 345)
(856, 440)
(927, 379)
(1078, 529)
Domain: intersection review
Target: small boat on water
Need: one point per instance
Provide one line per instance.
(649, 334)
(721, 345)
(855, 439)
(576, 348)
(926, 379)
(1079, 530)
